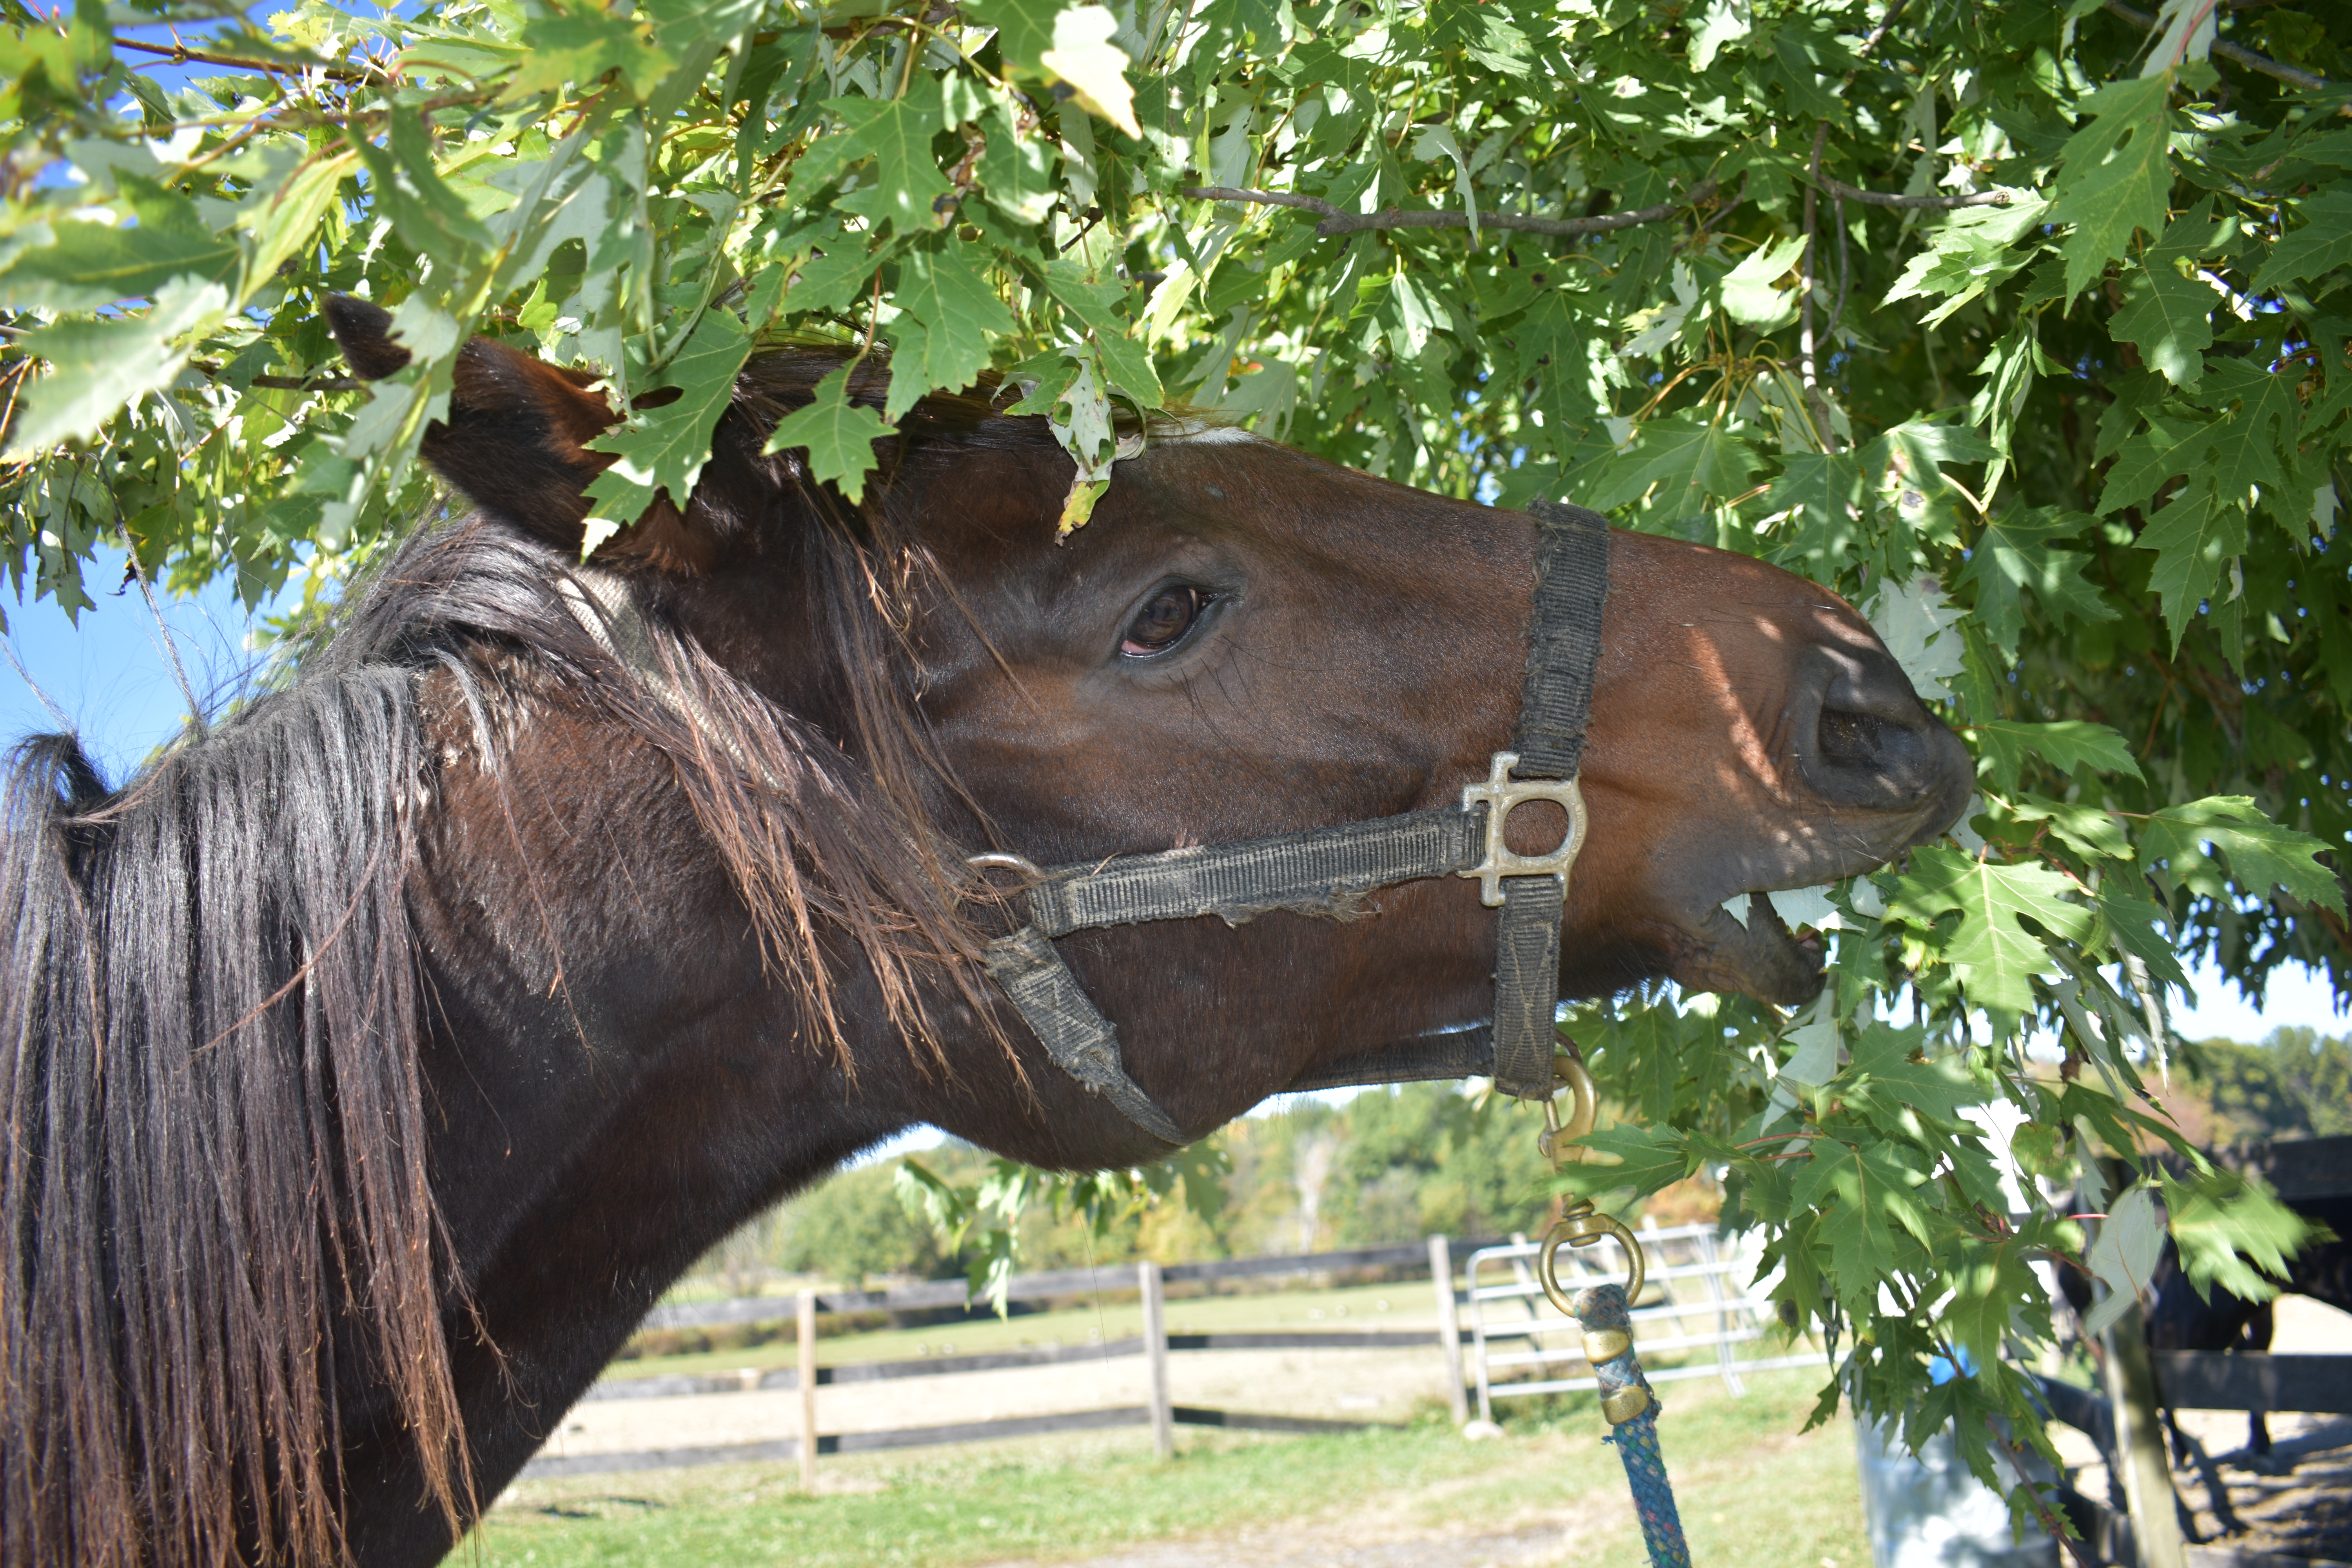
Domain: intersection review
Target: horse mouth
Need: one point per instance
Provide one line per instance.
(1762, 958)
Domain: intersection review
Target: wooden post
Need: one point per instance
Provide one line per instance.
(2140, 1443)
(1449, 1326)
(1155, 1348)
(808, 1391)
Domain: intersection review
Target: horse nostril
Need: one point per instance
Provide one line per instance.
(1873, 745)
(1851, 740)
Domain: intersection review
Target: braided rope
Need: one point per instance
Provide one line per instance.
(1653, 1494)
(1600, 1310)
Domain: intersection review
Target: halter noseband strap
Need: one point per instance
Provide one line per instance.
(1325, 870)
(1329, 870)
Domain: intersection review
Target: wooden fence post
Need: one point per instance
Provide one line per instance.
(1449, 1326)
(1155, 1351)
(808, 1391)
(2140, 1443)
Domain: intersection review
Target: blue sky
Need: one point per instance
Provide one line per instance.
(109, 677)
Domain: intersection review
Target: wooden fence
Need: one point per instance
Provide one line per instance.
(1159, 1413)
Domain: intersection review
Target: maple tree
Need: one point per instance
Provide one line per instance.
(2025, 327)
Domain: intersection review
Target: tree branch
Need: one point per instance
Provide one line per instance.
(180, 54)
(283, 383)
(1838, 187)
(1335, 221)
(2237, 54)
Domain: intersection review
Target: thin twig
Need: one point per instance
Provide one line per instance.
(1839, 188)
(2237, 54)
(163, 628)
(1335, 221)
(180, 54)
(284, 382)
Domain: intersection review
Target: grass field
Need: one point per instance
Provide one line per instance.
(1753, 1493)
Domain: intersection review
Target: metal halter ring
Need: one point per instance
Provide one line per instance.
(1581, 1226)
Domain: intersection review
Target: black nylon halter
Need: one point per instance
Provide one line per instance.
(1327, 869)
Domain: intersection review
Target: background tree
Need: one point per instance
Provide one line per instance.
(2025, 328)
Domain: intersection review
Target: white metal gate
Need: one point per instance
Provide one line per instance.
(1701, 1293)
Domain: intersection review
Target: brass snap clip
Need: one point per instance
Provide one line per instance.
(1579, 1224)
(1499, 794)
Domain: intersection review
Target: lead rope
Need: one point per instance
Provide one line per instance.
(1602, 1312)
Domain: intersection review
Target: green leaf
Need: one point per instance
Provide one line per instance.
(2176, 846)
(1861, 1194)
(2233, 1232)
(1993, 954)
(2256, 442)
(958, 313)
(2114, 176)
(2195, 538)
(285, 221)
(96, 367)
(1883, 1073)
(1647, 1159)
(583, 43)
(2167, 448)
(664, 449)
(2083, 828)
(1096, 304)
(905, 188)
(96, 264)
(1821, 492)
(1025, 28)
(1688, 461)
(2169, 314)
(1750, 291)
(2004, 745)
(839, 436)
(1016, 171)
(2133, 926)
(2322, 244)
(1992, 1282)
(2016, 552)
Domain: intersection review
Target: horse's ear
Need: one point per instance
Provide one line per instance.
(515, 443)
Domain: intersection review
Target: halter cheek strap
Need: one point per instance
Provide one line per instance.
(1328, 871)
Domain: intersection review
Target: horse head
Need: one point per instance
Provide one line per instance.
(1243, 640)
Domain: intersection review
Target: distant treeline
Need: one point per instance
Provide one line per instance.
(1306, 1176)
(1393, 1164)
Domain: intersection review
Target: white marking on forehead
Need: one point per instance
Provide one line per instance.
(1212, 436)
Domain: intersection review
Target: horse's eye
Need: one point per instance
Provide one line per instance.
(1162, 623)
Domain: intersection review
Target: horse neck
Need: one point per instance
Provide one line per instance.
(617, 1077)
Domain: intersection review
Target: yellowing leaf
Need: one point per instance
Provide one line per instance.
(1084, 55)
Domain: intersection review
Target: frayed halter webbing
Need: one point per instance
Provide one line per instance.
(1329, 870)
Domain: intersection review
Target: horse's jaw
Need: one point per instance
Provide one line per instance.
(1758, 956)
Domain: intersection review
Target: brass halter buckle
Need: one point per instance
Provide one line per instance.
(1499, 794)
(1579, 1224)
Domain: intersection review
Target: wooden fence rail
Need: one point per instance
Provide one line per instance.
(936, 1293)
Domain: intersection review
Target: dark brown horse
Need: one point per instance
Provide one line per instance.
(375, 1060)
